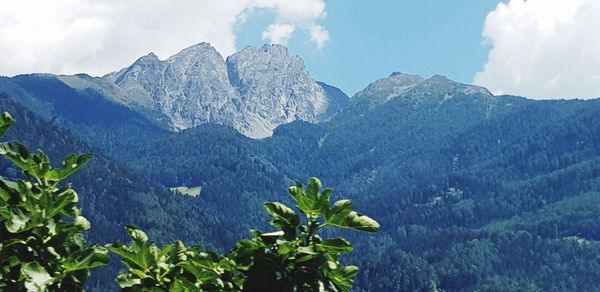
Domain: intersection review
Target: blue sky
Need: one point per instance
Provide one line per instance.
(371, 39)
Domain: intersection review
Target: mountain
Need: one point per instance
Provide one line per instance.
(474, 192)
(254, 90)
(86, 110)
(112, 196)
(460, 180)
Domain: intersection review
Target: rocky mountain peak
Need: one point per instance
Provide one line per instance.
(254, 90)
(416, 90)
(385, 89)
(439, 84)
(196, 53)
(251, 65)
(270, 71)
(151, 57)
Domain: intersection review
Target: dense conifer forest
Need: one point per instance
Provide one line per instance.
(472, 194)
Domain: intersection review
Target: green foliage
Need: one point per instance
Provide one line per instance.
(41, 242)
(43, 248)
(295, 257)
(173, 267)
(438, 175)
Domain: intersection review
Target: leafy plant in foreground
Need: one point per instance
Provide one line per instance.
(42, 247)
(295, 257)
(41, 242)
(173, 267)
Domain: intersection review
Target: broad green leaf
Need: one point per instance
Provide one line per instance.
(4, 213)
(81, 222)
(39, 164)
(314, 186)
(60, 199)
(37, 277)
(306, 250)
(342, 277)
(202, 271)
(7, 190)
(284, 217)
(339, 212)
(126, 280)
(138, 258)
(70, 165)
(304, 203)
(182, 285)
(324, 199)
(90, 258)
(311, 202)
(177, 249)
(17, 153)
(357, 221)
(18, 221)
(6, 120)
(342, 215)
(335, 245)
(306, 253)
(285, 247)
(136, 234)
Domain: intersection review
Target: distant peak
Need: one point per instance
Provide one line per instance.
(271, 49)
(274, 47)
(444, 83)
(147, 59)
(397, 73)
(198, 48)
(405, 77)
(440, 78)
(202, 45)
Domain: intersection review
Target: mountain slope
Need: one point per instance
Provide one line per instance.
(112, 196)
(465, 184)
(436, 164)
(94, 117)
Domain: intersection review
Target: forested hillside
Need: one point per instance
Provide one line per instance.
(474, 192)
(112, 196)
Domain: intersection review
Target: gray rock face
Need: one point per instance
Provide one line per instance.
(415, 88)
(383, 90)
(254, 91)
(271, 72)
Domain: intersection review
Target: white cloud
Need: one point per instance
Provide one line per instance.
(293, 15)
(99, 36)
(543, 49)
(278, 33)
(319, 35)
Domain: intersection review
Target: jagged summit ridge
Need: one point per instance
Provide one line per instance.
(415, 87)
(385, 89)
(271, 71)
(254, 90)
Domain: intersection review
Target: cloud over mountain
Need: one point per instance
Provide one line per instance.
(543, 49)
(96, 36)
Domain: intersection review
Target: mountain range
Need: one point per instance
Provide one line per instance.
(254, 91)
(474, 192)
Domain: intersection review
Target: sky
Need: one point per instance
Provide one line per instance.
(543, 49)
